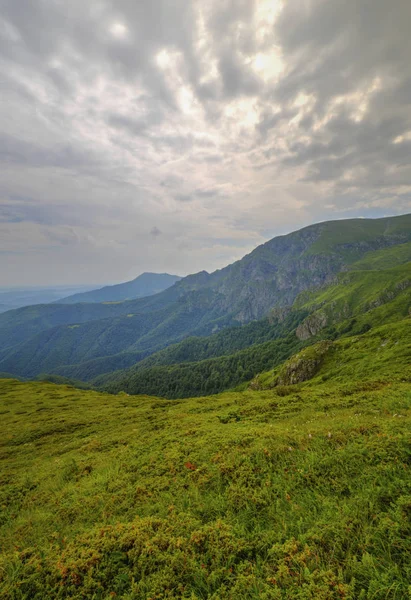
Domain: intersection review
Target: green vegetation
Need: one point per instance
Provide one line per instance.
(358, 292)
(295, 485)
(351, 234)
(205, 377)
(51, 338)
(58, 379)
(384, 352)
(295, 492)
(356, 303)
(192, 349)
(10, 376)
(91, 369)
(384, 259)
(143, 333)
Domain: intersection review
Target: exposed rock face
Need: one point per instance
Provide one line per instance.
(271, 277)
(312, 325)
(389, 295)
(333, 312)
(304, 365)
(279, 314)
(274, 274)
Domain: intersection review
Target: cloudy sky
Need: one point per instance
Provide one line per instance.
(177, 135)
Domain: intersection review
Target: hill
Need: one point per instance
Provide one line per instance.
(144, 285)
(5, 308)
(44, 338)
(357, 302)
(191, 349)
(281, 491)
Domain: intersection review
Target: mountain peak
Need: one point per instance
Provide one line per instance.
(146, 284)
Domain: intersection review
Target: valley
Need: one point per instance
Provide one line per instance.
(243, 434)
(89, 340)
(205, 300)
(274, 491)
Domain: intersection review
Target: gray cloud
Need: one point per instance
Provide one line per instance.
(352, 59)
(223, 122)
(155, 232)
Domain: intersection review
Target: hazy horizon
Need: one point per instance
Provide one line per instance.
(90, 286)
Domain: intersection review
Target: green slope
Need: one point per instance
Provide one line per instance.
(204, 377)
(353, 233)
(20, 325)
(358, 301)
(386, 258)
(383, 352)
(298, 492)
(373, 297)
(88, 370)
(270, 276)
(136, 333)
(191, 349)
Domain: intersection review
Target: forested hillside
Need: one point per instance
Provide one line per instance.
(295, 488)
(298, 474)
(358, 302)
(88, 340)
(227, 341)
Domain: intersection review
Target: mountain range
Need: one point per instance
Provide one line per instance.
(11, 298)
(242, 434)
(89, 340)
(146, 284)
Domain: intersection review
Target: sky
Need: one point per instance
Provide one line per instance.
(177, 135)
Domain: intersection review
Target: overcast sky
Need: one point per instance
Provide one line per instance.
(177, 135)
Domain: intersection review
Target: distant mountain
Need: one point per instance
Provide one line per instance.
(12, 298)
(142, 286)
(6, 307)
(42, 338)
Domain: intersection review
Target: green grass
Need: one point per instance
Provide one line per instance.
(357, 302)
(276, 492)
(384, 353)
(339, 235)
(384, 259)
(299, 492)
(371, 297)
(358, 290)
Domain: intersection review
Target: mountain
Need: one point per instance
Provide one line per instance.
(17, 298)
(144, 285)
(296, 487)
(6, 307)
(356, 302)
(45, 338)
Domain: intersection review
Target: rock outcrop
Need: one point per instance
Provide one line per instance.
(312, 325)
(304, 365)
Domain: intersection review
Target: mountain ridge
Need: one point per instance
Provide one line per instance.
(271, 276)
(146, 284)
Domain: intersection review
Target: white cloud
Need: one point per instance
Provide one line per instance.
(118, 30)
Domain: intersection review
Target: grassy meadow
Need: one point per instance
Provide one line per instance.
(291, 492)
